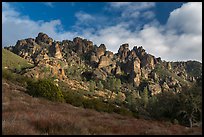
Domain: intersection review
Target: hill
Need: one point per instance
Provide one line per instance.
(25, 115)
(132, 83)
(13, 61)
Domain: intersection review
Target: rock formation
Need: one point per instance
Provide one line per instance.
(136, 66)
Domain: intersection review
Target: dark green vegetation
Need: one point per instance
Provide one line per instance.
(45, 88)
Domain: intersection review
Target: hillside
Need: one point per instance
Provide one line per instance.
(25, 115)
(75, 78)
(13, 61)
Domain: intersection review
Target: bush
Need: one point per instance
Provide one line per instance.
(46, 89)
(73, 98)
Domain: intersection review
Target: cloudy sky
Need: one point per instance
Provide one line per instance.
(170, 30)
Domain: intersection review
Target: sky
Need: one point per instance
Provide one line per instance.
(170, 30)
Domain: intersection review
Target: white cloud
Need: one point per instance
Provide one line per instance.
(15, 27)
(133, 9)
(49, 4)
(187, 19)
(84, 17)
(167, 41)
(132, 5)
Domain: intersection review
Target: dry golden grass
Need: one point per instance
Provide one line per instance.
(23, 114)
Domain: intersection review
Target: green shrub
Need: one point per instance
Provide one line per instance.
(92, 86)
(46, 89)
(73, 98)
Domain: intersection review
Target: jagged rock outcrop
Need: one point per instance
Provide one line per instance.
(104, 62)
(148, 61)
(135, 74)
(82, 45)
(44, 38)
(123, 51)
(134, 66)
(100, 51)
(57, 51)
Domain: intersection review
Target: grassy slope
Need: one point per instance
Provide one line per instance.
(23, 114)
(12, 61)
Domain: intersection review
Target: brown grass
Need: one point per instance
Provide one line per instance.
(23, 114)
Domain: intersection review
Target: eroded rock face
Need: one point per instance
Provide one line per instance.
(104, 62)
(82, 45)
(144, 73)
(135, 74)
(44, 38)
(100, 50)
(148, 61)
(140, 52)
(99, 74)
(154, 89)
(58, 53)
(123, 51)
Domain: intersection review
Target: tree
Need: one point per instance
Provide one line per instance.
(100, 85)
(145, 97)
(92, 85)
(120, 98)
(191, 104)
(112, 85)
(117, 85)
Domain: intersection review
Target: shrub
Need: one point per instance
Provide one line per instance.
(46, 89)
(92, 86)
(100, 85)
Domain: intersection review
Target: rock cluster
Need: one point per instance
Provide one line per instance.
(139, 66)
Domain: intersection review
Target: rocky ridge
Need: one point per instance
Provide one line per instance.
(139, 68)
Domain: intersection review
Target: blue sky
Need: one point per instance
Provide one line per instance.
(162, 28)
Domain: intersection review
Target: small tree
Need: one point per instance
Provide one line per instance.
(100, 85)
(120, 98)
(145, 97)
(92, 86)
(118, 85)
(112, 83)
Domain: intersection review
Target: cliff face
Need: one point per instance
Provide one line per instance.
(142, 69)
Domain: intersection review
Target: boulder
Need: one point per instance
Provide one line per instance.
(154, 88)
(99, 74)
(94, 60)
(109, 54)
(58, 53)
(42, 37)
(55, 50)
(165, 87)
(118, 70)
(104, 62)
(100, 51)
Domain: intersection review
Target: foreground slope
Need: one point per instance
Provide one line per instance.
(13, 61)
(23, 114)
